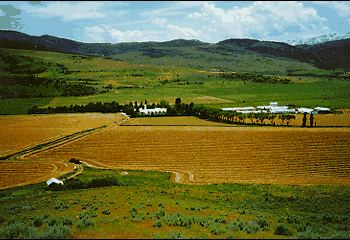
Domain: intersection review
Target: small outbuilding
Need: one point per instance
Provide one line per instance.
(54, 181)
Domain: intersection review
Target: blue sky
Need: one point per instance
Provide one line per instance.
(213, 21)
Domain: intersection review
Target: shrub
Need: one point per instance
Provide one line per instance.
(283, 229)
(252, 227)
(236, 225)
(57, 232)
(159, 214)
(76, 183)
(217, 228)
(67, 221)
(341, 235)
(157, 236)
(51, 221)
(84, 223)
(175, 235)
(293, 219)
(136, 216)
(157, 224)
(178, 220)
(15, 230)
(61, 206)
(106, 212)
(263, 223)
(38, 220)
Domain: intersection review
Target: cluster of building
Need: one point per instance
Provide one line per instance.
(275, 108)
(154, 111)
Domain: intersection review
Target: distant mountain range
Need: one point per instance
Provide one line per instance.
(320, 39)
(327, 55)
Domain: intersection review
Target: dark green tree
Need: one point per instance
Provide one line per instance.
(178, 101)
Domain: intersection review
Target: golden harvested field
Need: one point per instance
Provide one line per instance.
(17, 173)
(172, 121)
(326, 120)
(218, 154)
(21, 131)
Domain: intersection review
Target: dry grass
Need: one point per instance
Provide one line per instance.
(219, 154)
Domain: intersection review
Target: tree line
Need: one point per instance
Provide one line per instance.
(178, 109)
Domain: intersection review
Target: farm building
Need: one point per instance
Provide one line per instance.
(275, 109)
(237, 109)
(151, 111)
(322, 109)
(281, 110)
(53, 181)
(304, 110)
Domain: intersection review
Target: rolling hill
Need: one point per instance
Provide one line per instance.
(49, 71)
(193, 53)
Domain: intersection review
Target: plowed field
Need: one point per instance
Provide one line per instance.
(171, 121)
(16, 173)
(18, 132)
(325, 120)
(218, 154)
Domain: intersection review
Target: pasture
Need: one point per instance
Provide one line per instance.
(93, 79)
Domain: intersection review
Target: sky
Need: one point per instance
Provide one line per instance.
(139, 21)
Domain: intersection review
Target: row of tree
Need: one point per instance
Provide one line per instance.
(179, 109)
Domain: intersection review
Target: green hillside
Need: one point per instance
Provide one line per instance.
(53, 79)
(145, 204)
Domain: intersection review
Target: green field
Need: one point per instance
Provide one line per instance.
(68, 79)
(147, 205)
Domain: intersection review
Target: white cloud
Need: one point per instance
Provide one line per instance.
(341, 7)
(110, 34)
(95, 34)
(126, 36)
(259, 18)
(196, 15)
(183, 32)
(159, 21)
(68, 10)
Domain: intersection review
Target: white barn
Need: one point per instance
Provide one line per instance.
(155, 111)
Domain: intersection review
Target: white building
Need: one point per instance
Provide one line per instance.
(53, 180)
(275, 109)
(305, 110)
(281, 109)
(155, 111)
(238, 109)
(322, 109)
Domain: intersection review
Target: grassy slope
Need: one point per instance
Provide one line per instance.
(130, 82)
(237, 60)
(146, 204)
